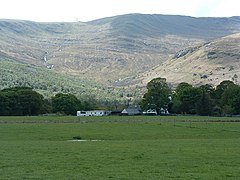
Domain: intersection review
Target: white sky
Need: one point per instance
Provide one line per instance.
(85, 10)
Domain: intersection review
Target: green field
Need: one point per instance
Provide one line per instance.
(130, 148)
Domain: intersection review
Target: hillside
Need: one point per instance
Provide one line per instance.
(49, 83)
(109, 50)
(209, 63)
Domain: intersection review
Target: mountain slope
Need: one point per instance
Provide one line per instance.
(49, 83)
(209, 63)
(154, 25)
(108, 50)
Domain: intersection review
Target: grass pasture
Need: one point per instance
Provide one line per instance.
(130, 148)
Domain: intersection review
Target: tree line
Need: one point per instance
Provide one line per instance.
(23, 101)
(221, 100)
(224, 99)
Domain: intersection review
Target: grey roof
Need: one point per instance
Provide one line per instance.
(131, 111)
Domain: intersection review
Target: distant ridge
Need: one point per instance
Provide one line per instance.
(209, 63)
(112, 51)
(161, 25)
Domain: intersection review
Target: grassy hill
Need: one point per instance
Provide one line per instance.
(155, 25)
(112, 47)
(209, 63)
(110, 51)
(49, 82)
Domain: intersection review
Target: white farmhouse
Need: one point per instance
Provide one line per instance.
(93, 113)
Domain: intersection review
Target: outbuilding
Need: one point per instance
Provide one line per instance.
(131, 111)
(93, 113)
(151, 112)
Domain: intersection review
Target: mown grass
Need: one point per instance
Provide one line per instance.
(128, 149)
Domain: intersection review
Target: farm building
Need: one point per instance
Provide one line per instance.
(164, 111)
(131, 111)
(150, 112)
(93, 113)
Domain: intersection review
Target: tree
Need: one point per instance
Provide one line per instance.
(46, 106)
(157, 95)
(222, 87)
(230, 100)
(185, 98)
(4, 105)
(226, 97)
(21, 101)
(209, 89)
(181, 87)
(66, 103)
(178, 93)
(204, 105)
(30, 102)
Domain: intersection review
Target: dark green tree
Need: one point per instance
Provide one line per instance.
(21, 101)
(209, 89)
(86, 106)
(230, 100)
(178, 93)
(185, 98)
(66, 103)
(223, 96)
(157, 95)
(4, 105)
(222, 87)
(181, 87)
(204, 105)
(46, 107)
(30, 101)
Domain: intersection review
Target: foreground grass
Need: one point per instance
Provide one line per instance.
(128, 150)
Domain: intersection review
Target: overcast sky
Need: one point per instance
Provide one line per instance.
(86, 10)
